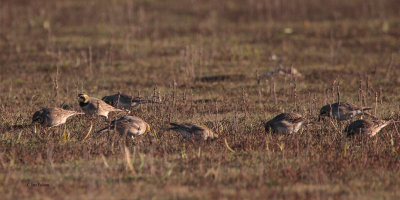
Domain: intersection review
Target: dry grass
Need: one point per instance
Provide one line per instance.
(205, 59)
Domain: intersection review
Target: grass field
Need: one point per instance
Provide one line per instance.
(206, 60)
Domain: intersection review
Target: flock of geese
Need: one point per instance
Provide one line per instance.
(284, 123)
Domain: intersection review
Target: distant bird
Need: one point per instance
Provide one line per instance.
(286, 123)
(366, 127)
(129, 125)
(51, 117)
(125, 101)
(284, 72)
(342, 111)
(193, 132)
(94, 106)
